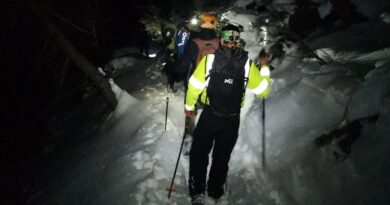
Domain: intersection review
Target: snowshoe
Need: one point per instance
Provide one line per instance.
(199, 199)
(172, 88)
(221, 201)
(219, 196)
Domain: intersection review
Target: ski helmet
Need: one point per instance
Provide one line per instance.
(208, 20)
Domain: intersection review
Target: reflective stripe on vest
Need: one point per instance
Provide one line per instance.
(261, 87)
(209, 65)
(196, 83)
(247, 69)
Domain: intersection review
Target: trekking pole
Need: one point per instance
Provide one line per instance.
(166, 108)
(170, 189)
(263, 134)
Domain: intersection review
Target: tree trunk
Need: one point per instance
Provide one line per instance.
(87, 67)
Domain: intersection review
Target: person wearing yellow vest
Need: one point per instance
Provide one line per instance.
(219, 82)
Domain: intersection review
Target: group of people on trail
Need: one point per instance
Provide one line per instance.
(217, 73)
(185, 47)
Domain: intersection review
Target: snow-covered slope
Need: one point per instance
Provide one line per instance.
(131, 160)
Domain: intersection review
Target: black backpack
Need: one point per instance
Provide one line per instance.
(227, 82)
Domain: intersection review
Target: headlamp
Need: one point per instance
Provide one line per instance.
(194, 21)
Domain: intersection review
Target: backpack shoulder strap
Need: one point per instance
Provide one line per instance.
(248, 66)
(209, 66)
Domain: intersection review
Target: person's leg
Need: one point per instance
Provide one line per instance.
(169, 66)
(223, 147)
(147, 48)
(199, 154)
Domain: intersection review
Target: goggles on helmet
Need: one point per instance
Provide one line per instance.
(230, 35)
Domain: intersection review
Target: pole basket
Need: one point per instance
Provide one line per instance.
(170, 189)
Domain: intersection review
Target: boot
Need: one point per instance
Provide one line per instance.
(198, 199)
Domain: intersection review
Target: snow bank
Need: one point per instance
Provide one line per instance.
(370, 96)
(325, 9)
(370, 8)
(368, 36)
(242, 3)
(386, 17)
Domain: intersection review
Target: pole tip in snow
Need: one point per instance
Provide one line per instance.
(170, 190)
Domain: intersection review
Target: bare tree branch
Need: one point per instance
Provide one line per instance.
(90, 70)
(63, 19)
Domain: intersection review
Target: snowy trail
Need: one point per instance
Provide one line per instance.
(148, 158)
(154, 161)
(152, 151)
(132, 159)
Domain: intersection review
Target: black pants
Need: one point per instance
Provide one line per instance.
(220, 132)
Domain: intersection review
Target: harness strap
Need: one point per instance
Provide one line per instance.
(247, 71)
(208, 67)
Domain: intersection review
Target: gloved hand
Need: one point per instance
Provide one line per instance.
(189, 113)
(263, 57)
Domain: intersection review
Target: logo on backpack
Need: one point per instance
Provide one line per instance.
(183, 35)
(183, 39)
(228, 81)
